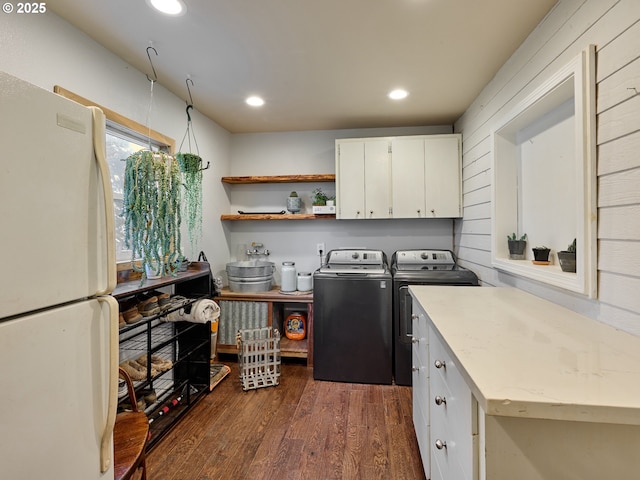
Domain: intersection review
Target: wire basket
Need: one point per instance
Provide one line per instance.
(259, 357)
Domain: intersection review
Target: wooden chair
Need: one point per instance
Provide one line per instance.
(130, 436)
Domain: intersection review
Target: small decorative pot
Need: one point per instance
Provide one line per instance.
(567, 261)
(152, 271)
(541, 254)
(516, 249)
(294, 203)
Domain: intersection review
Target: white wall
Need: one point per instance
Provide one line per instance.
(614, 27)
(47, 51)
(314, 152)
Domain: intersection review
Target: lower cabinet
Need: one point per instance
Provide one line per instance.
(454, 421)
(168, 360)
(477, 352)
(444, 410)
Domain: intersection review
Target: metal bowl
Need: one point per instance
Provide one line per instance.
(250, 269)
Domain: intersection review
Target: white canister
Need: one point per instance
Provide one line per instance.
(304, 281)
(288, 283)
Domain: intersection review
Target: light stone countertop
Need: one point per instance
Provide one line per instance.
(523, 356)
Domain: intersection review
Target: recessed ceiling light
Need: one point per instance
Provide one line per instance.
(398, 94)
(169, 7)
(255, 101)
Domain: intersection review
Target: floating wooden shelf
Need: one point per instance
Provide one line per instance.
(321, 177)
(270, 216)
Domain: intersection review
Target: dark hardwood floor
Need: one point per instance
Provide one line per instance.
(301, 429)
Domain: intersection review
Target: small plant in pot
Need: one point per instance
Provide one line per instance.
(319, 197)
(541, 255)
(517, 246)
(567, 258)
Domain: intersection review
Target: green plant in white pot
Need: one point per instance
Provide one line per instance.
(151, 209)
(191, 169)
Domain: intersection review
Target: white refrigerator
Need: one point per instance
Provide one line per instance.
(58, 323)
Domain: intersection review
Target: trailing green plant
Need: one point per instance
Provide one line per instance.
(151, 211)
(191, 168)
(513, 237)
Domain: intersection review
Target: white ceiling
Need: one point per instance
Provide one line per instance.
(319, 64)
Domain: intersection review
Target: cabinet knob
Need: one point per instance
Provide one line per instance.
(440, 364)
(440, 444)
(414, 316)
(440, 400)
(415, 369)
(433, 211)
(414, 340)
(418, 212)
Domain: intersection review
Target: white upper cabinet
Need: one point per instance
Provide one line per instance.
(426, 176)
(363, 188)
(408, 180)
(399, 177)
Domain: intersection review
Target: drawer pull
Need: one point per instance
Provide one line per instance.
(440, 444)
(414, 340)
(415, 369)
(414, 316)
(440, 364)
(440, 400)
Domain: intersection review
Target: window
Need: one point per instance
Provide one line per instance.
(120, 143)
(123, 137)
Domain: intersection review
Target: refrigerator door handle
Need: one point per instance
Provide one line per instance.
(112, 404)
(99, 145)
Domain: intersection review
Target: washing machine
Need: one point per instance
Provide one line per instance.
(352, 318)
(418, 267)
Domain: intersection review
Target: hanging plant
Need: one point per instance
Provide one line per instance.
(152, 211)
(191, 168)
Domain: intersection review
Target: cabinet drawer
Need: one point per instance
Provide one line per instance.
(453, 418)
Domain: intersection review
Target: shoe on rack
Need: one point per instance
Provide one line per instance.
(164, 299)
(129, 311)
(148, 306)
(156, 363)
(178, 301)
(121, 322)
(149, 395)
(141, 362)
(134, 372)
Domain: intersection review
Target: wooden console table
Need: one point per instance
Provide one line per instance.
(274, 299)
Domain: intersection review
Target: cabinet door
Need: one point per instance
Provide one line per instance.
(350, 179)
(442, 175)
(407, 174)
(420, 378)
(377, 178)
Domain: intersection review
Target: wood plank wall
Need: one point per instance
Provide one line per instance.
(614, 27)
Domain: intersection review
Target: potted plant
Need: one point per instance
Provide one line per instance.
(517, 246)
(541, 255)
(567, 258)
(151, 210)
(319, 197)
(191, 168)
